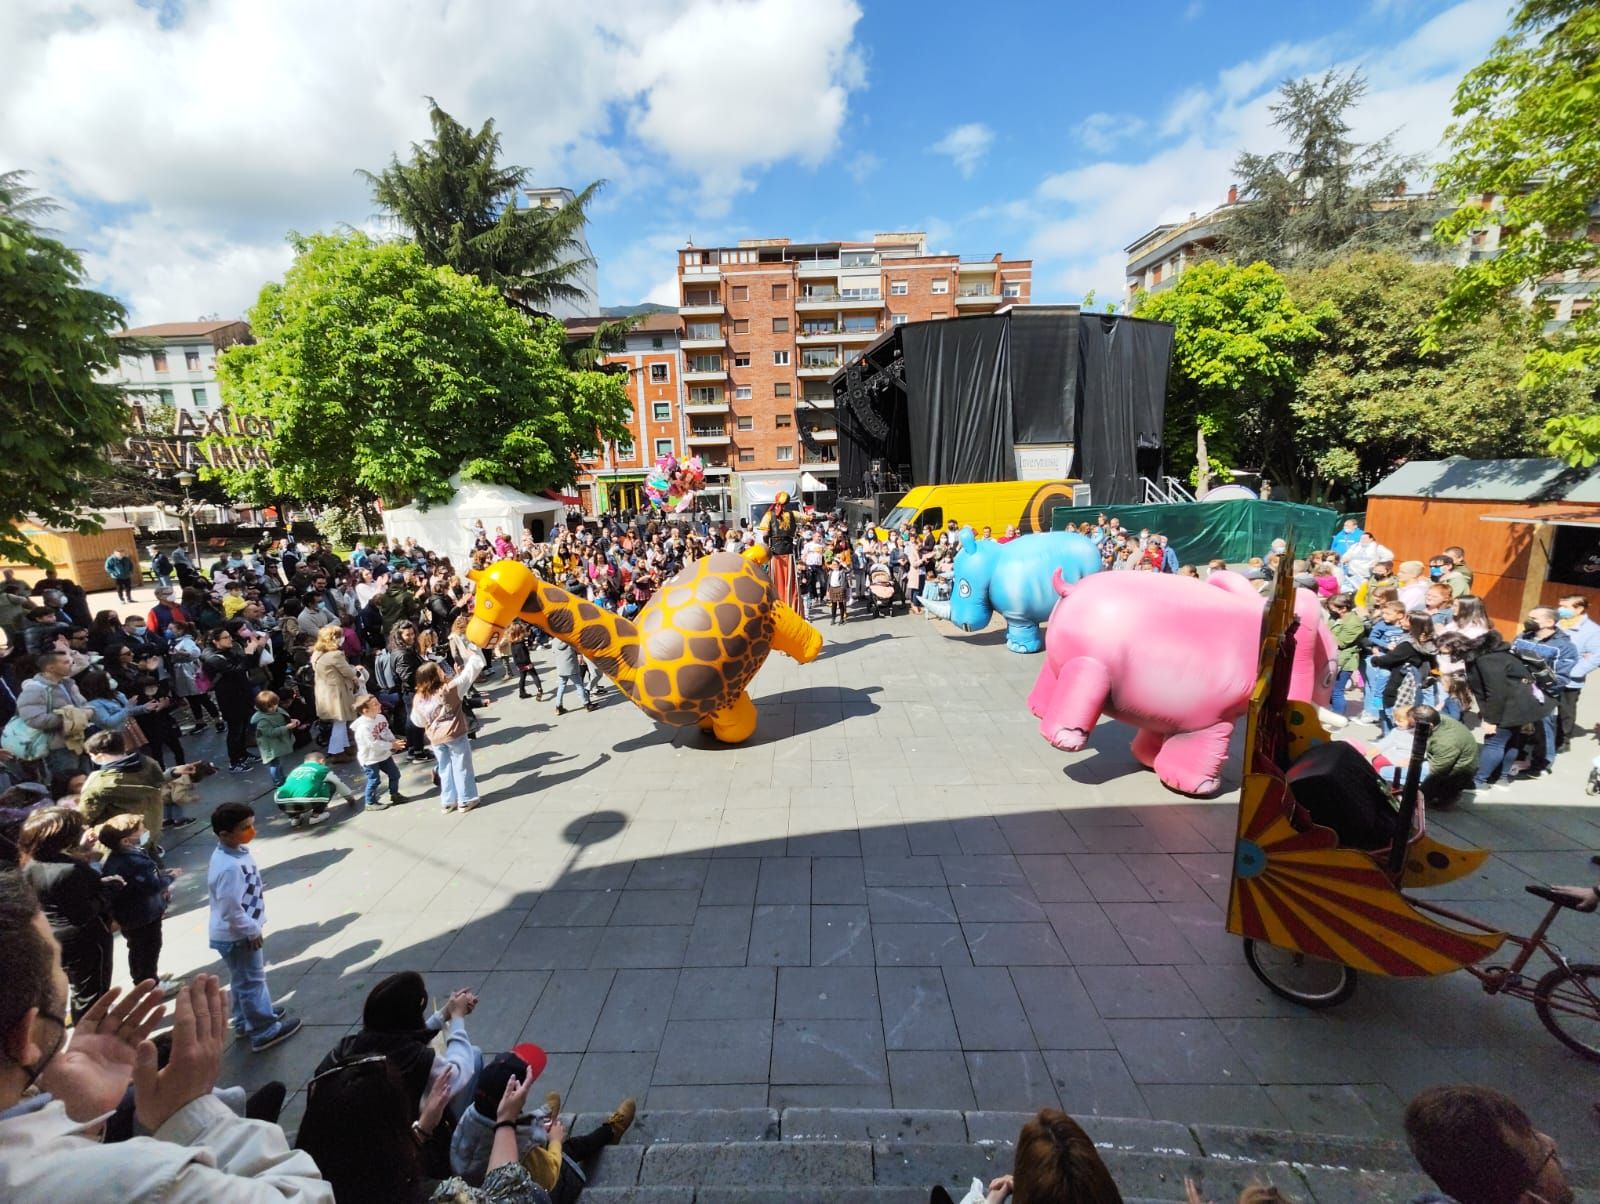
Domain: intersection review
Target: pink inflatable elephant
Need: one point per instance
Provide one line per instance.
(1172, 656)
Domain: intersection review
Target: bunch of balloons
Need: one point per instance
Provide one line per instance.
(672, 485)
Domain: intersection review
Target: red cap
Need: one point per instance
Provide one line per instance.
(535, 1057)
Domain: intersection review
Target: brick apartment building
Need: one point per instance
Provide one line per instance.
(768, 322)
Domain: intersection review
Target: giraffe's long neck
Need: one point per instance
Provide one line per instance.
(603, 636)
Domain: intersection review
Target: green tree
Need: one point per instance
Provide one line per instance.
(461, 206)
(1373, 397)
(1239, 347)
(1327, 195)
(384, 376)
(57, 421)
(1525, 163)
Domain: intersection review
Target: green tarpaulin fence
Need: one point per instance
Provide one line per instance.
(1201, 531)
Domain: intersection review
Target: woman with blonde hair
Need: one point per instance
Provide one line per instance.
(439, 711)
(337, 683)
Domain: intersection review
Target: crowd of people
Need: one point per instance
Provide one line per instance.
(305, 662)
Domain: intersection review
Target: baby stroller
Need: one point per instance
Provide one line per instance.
(884, 592)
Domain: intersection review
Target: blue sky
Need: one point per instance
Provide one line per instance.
(1052, 130)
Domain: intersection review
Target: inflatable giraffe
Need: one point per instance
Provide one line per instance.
(690, 654)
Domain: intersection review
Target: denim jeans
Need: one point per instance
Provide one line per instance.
(375, 774)
(1497, 755)
(1372, 701)
(275, 773)
(247, 980)
(1341, 680)
(457, 784)
(576, 684)
(1548, 759)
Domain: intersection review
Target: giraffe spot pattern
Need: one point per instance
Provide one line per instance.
(696, 618)
(729, 618)
(736, 645)
(711, 589)
(698, 681)
(656, 683)
(704, 649)
(748, 589)
(561, 622)
(594, 638)
(665, 645)
(588, 612)
(630, 652)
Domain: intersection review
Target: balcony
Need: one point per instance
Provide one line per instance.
(719, 406)
(977, 295)
(827, 461)
(704, 370)
(825, 334)
(845, 298)
(701, 306)
(863, 335)
(810, 268)
(715, 469)
(819, 366)
(817, 403)
(708, 436)
(703, 338)
(826, 434)
(700, 271)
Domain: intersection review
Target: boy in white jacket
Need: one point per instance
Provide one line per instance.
(238, 920)
(375, 749)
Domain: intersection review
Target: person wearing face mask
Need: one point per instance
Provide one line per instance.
(1542, 638)
(40, 703)
(1572, 615)
(51, 1147)
(144, 897)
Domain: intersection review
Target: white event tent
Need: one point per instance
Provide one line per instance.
(446, 527)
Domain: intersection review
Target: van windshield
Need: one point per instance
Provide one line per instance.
(897, 517)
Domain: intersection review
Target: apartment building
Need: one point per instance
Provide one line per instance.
(175, 363)
(768, 322)
(662, 419)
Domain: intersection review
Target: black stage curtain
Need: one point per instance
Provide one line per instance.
(1044, 375)
(959, 400)
(1123, 387)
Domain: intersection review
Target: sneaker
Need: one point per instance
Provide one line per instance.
(469, 805)
(175, 824)
(377, 805)
(447, 810)
(239, 768)
(561, 710)
(278, 1013)
(591, 706)
(278, 1033)
(396, 798)
(620, 1121)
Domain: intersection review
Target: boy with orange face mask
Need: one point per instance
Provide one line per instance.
(238, 919)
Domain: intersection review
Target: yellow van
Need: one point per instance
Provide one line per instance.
(1025, 505)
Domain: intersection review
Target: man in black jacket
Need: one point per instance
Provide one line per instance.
(1503, 685)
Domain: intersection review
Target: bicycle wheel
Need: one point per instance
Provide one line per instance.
(1568, 1003)
(1309, 981)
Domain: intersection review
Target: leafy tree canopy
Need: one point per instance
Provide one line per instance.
(1327, 195)
(56, 420)
(460, 205)
(1372, 397)
(383, 376)
(1526, 161)
(1240, 344)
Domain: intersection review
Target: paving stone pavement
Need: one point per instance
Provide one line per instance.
(895, 895)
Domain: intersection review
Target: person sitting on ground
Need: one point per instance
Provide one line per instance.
(556, 1164)
(1055, 1163)
(1481, 1148)
(365, 1130)
(309, 788)
(1452, 752)
(198, 1151)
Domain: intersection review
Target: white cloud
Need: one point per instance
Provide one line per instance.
(1103, 132)
(191, 147)
(1075, 221)
(664, 293)
(965, 146)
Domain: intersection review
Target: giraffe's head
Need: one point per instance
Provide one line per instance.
(501, 590)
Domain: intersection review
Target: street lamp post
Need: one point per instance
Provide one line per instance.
(185, 478)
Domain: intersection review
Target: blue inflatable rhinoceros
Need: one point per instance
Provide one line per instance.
(1016, 579)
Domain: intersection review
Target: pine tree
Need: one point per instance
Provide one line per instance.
(1327, 195)
(460, 205)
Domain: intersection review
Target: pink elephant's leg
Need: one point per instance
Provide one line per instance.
(1073, 708)
(1147, 746)
(1191, 762)
(1043, 687)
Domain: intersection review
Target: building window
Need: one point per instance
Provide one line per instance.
(898, 288)
(782, 420)
(705, 394)
(747, 455)
(939, 287)
(740, 292)
(658, 374)
(661, 411)
(780, 359)
(191, 360)
(897, 319)
(780, 325)
(1011, 289)
(164, 396)
(199, 396)
(158, 361)
(741, 326)
(745, 422)
(657, 342)
(786, 453)
(781, 389)
(741, 392)
(705, 363)
(780, 292)
(741, 361)
(663, 448)
(625, 451)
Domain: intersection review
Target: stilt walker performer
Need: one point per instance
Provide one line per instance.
(779, 526)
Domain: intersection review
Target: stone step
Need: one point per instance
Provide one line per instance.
(883, 1156)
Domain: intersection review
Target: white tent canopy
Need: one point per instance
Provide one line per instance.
(446, 528)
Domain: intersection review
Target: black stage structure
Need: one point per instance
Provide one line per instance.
(948, 402)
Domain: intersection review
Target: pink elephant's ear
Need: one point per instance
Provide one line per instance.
(1233, 583)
